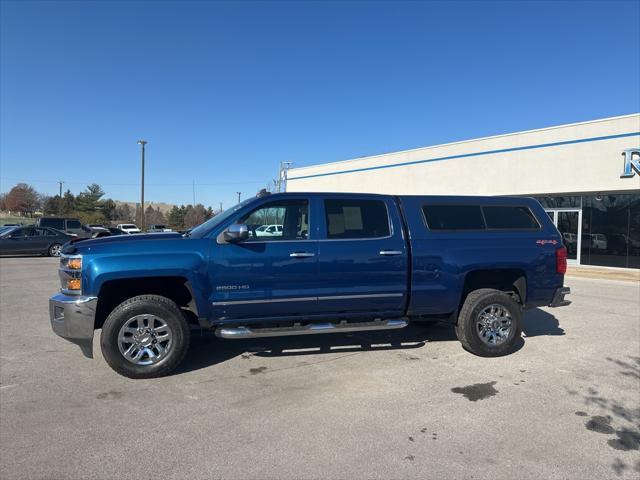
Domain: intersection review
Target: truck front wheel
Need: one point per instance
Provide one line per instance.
(145, 337)
(490, 323)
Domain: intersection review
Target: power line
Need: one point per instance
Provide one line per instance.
(208, 184)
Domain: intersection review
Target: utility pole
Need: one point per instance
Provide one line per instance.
(142, 143)
(282, 175)
(221, 207)
(60, 182)
(239, 193)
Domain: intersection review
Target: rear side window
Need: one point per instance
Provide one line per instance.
(477, 217)
(510, 217)
(348, 218)
(73, 224)
(52, 222)
(453, 217)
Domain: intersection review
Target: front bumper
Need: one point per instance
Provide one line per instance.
(558, 297)
(72, 317)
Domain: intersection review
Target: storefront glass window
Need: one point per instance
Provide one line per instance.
(610, 230)
(560, 201)
(610, 227)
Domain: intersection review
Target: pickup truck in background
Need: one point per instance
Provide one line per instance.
(70, 226)
(128, 228)
(341, 263)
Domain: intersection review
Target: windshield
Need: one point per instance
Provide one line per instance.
(206, 227)
(129, 226)
(5, 230)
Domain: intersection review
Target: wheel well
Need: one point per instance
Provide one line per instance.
(114, 292)
(510, 280)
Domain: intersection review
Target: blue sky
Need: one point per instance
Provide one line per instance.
(223, 91)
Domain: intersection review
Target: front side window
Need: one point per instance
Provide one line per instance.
(283, 220)
(348, 218)
(21, 232)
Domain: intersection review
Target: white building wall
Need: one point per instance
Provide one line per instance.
(587, 163)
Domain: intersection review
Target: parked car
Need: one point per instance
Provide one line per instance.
(97, 225)
(344, 263)
(158, 227)
(596, 241)
(32, 241)
(11, 225)
(268, 231)
(71, 226)
(128, 228)
(108, 231)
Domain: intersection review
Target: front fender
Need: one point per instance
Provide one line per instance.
(192, 266)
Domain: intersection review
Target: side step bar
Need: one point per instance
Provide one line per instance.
(312, 328)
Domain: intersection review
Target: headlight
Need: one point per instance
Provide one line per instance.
(70, 273)
(71, 263)
(74, 284)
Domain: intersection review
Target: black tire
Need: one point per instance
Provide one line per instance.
(467, 331)
(53, 248)
(155, 305)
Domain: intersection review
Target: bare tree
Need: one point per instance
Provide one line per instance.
(23, 199)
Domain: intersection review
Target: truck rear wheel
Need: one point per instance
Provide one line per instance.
(490, 323)
(145, 337)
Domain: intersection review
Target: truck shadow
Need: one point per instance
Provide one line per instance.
(537, 322)
(208, 350)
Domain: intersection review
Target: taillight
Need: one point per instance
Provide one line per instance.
(561, 260)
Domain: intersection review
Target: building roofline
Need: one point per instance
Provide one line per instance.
(459, 142)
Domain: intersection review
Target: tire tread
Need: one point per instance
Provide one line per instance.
(119, 364)
(465, 325)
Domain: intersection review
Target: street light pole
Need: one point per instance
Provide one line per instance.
(239, 193)
(60, 199)
(142, 143)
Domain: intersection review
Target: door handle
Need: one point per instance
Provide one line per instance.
(302, 254)
(390, 253)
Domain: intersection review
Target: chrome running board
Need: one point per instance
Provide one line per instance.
(310, 329)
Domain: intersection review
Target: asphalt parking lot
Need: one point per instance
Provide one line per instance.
(404, 404)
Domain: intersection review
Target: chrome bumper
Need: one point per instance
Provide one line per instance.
(558, 297)
(72, 317)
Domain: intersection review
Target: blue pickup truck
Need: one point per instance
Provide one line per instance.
(340, 263)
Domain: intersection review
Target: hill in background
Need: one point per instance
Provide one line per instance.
(164, 207)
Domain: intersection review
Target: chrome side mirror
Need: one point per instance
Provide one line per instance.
(236, 233)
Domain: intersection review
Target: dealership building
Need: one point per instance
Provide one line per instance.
(586, 175)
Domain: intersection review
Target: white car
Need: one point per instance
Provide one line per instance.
(269, 231)
(128, 228)
(158, 228)
(599, 241)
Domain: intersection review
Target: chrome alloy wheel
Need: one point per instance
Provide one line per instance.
(55, 250)
(144, 339)
(494, 325)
